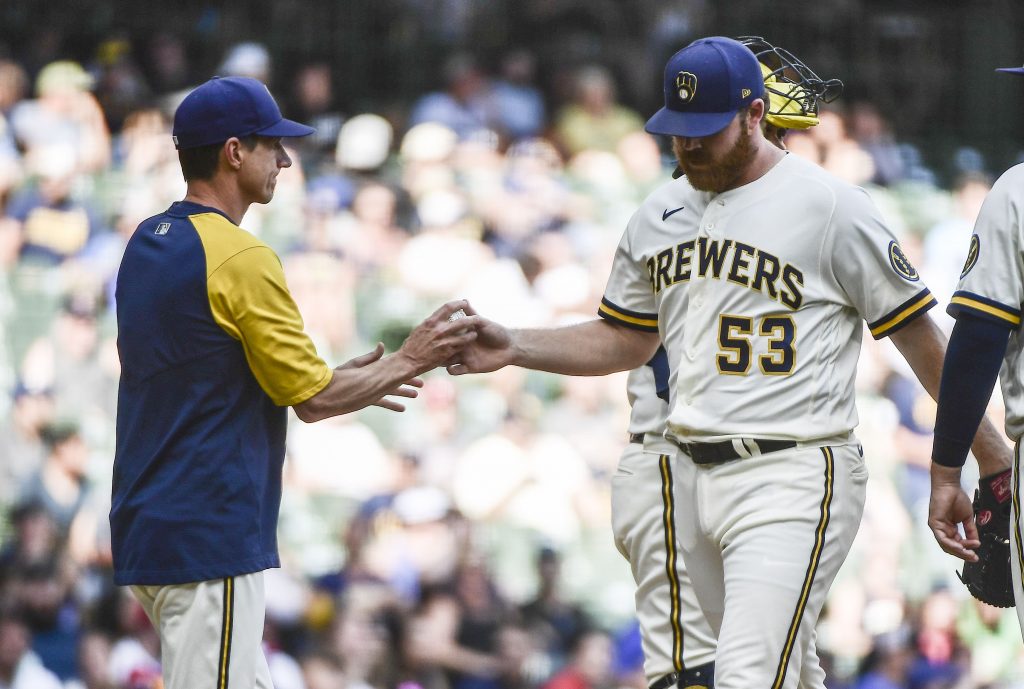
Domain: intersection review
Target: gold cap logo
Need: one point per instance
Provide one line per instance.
(686, 86)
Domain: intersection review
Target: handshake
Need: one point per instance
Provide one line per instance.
(454, 336)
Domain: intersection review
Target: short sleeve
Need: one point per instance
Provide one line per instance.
(992, 282)
(251, 301)
(628, 297)
(872, 269)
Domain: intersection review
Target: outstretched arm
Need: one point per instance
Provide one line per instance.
(365, 380)
(592, 348)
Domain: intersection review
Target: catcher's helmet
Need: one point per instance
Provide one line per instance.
(793, 89)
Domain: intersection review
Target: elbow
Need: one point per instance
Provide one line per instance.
(307, 412)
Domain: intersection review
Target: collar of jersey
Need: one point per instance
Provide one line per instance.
(184, 209)
(770, 173)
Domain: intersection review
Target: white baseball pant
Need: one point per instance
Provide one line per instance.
(763, 538)
(211, 632)
(673, 630)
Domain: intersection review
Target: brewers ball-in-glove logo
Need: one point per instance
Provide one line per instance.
(901, 264)
(972, 255)
(686, 86)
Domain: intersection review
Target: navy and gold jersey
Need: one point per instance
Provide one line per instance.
(212, 350)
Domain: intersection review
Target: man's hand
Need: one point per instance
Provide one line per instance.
(492, 349)
(948, 508)
(406, 389)
(436, 340)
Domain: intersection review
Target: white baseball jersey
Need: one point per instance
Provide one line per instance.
(992, 283)
(758, 294)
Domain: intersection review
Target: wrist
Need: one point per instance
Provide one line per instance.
(517, 354)
(945, 475)
(404, 366)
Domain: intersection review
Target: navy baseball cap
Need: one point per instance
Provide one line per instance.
(224, 107)
(706, 84)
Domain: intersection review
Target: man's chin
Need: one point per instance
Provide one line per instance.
(702, 182)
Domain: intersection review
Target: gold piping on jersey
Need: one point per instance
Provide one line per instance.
(1015, 488)
(226, 632)
(901, 317)
(812, 568)
(629, 318)
(668, 518)
(975, 305)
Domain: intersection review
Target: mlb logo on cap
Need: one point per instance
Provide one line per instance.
(706, 84)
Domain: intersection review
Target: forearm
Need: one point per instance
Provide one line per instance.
(970, 371)
(593, 348)
(352, 389)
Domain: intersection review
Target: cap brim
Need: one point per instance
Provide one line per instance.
(286, 128)
(689, 124)
(1011, 70)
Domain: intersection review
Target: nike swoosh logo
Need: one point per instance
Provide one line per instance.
(668, 213)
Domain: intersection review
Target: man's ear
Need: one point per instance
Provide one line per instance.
(233, 151)
(757, 111)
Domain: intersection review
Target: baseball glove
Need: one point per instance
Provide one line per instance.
(988, 579)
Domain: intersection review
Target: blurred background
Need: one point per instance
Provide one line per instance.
(489, 150)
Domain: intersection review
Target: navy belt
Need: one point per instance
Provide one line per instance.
(725, 451)
(637, 438)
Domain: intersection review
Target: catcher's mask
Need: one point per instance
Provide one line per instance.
(793, 89)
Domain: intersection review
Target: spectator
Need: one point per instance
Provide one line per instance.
(69, 359)
(37, 540)
(595, 120)
(553, 622)
(93, 663)
(248, 59)
(20, 668)
(946, 243)
(51, 221)
(520, 105)
(315, 105)
(60, 485)
(466, 105)
(22, 451)
(66, 115)
(888, 664)
(42, 592)
(590, 663)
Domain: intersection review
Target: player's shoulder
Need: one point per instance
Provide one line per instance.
(1010, 183)
(223, 241)
(816, 179)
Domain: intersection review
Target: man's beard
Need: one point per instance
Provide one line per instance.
(715, 175)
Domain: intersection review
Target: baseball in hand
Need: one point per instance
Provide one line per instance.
(457, 315)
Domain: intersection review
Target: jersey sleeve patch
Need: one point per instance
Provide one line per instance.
(902, 314)
(901, 264)
(989, 309)
(648, 322)
(972, 255)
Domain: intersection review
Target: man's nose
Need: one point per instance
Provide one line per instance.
(690, 143)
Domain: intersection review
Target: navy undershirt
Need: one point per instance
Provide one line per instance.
(969, 373)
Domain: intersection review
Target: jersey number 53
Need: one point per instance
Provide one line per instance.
(735, 342)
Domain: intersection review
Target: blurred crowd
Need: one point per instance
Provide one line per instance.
(464, 544)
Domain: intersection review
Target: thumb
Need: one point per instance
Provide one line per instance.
(369, 357)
